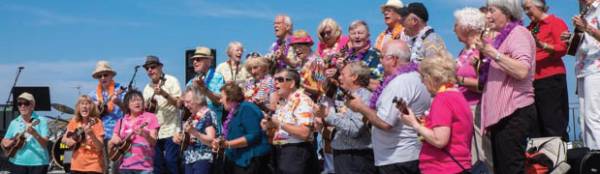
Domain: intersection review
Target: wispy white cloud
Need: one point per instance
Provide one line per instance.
(45, 17)
(66, 79)
(200, 8)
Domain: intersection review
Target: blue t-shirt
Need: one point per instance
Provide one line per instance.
(214, 81)
(198, 151)
(32, 153)
(111, 119)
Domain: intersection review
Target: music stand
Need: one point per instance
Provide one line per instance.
(40, 93)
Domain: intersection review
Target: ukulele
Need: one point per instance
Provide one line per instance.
(403, 108)
(152, 105)
(103, 106)
(118, 150)
(268, 114)
(185, 136)
(78, 135)
(577, 36)
(19, 141)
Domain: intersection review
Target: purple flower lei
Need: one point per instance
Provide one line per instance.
(358, 55)
(228, 119)
(281, 64)
(405, 69)
(485, 67)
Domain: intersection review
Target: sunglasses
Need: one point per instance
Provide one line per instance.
(282, 79)
(23, 104)
(103, 75)
(149, 67)
(198, 59)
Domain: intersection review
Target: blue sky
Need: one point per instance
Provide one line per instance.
(59, 41)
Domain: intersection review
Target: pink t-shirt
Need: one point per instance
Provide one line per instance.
(140, 156)
(448, 109)
(466, 69)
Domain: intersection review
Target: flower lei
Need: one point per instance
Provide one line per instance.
(286, 42)
(358, 54)
(228, 120)
(405, 69)
(485, 67)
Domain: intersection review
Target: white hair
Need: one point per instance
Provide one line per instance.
(288, 21)
(538, 3)
(394, 50)
(233, 44)
(470, 18)
(511, 8)
(357, 23)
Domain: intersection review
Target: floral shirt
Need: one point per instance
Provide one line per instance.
(313, 73)
(296, 110)
(588, 54)
(109, 120)
(196, 150)
(259, 91)
(371, 59)
(425, 44)
(140, 155)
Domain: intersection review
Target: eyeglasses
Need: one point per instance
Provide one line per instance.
(282, 79)
(23, 104)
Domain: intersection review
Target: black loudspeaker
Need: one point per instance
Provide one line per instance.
(41, 94)
(189, 67)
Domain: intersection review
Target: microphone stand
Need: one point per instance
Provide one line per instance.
(9, 96)
(130, 85)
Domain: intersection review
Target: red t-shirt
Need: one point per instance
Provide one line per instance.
(448, 109)
(548, 31)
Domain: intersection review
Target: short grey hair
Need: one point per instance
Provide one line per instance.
(197, 96)
(538, 3)
(357, 23)
(287, 20)
(511, 8)
(361, 70)
(401, 52)
(233, 44)
(470, 18)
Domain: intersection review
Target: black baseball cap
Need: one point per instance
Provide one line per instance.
(416, 8)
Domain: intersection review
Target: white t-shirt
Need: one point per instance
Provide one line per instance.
(399, 144)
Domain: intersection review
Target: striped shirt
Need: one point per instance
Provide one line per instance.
(504, 94)
(350, 130)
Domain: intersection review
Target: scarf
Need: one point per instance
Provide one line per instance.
(485, 66)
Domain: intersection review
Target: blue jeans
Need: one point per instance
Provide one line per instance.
(165, 156)
(198, 167)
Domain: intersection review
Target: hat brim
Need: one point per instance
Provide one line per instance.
(390, 6)
(95, 74)
(201, 56)
(151, 63)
